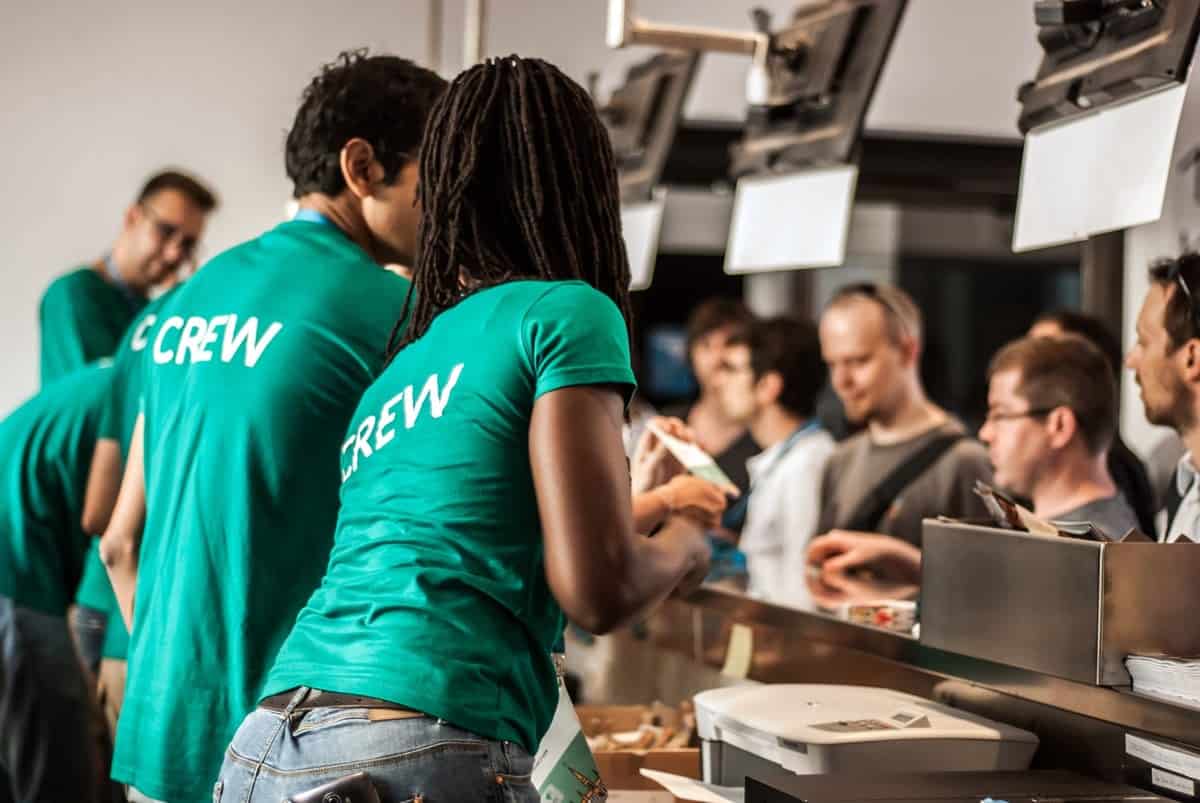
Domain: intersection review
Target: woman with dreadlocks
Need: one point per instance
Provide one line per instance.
(485, 491)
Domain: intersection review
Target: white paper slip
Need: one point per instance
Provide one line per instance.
(690, 789)
(638, 796)
(1160, 755)
(1169, 780)
(694, 459)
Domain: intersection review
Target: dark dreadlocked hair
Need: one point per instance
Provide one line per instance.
(517, 181)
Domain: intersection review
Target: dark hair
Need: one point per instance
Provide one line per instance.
(203, 198)
(517, 181)
(714, 314)
(792, 349)
(1090, 328)
(381, 99)
(1180, 316)
(1065, 372)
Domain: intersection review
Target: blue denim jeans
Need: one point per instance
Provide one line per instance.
(47, 748)
(422, 759)
(88, 626)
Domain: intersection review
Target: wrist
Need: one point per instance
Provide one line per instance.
(666, 496)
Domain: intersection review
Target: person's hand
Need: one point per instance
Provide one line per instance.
(699, 500)
(690, 537)
(653, 464)
(831, 589)
(845, 551)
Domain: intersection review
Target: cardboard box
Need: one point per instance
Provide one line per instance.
(621, 769)
(621, 773)
(596, 719)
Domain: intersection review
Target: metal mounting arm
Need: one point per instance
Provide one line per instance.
(625, 29)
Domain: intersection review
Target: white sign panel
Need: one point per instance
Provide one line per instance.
(1098, 173)
(641, 224)
(798, 220)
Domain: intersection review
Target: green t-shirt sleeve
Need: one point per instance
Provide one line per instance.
(575, 335)
(73, 328)
(108, 426)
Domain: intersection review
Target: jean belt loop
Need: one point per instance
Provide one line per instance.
(297, 698)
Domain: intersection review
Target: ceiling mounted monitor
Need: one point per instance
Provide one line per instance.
(642, 117)
(1097, 172)
(820, 74)
(1101, 52)
(641, 226)
(790, 221)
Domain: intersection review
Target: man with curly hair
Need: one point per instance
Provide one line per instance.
(251, 378)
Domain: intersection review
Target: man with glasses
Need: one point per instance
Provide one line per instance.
(913, 460)
(1052, 414)
(84, 313)
(769, 378)
(1166, 361)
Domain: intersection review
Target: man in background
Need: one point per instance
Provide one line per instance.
(770, 377)
(1166, 362)
(1052, 413)
(913, 461)
(709, 328)
(84, 313)
(1127, 470)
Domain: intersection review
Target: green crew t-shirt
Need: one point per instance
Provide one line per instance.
(117, 417)
(436, 596)
(47, 445)
(251, 376)
(83, 318)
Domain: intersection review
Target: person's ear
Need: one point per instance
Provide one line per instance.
(910, 350)
(1061, 426)
(1189, 358)
(769, 387)
(132, 215)
(360, 169)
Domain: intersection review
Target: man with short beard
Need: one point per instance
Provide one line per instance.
(913, 460)
(1166, 361)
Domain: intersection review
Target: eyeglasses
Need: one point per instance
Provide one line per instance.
(1176, 274)
(726, 367)
(994, 415)
(167, 231)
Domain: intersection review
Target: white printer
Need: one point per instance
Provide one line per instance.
(770, 731)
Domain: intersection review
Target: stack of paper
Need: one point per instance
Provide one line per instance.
(1177, 679)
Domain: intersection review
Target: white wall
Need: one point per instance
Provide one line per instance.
(97, 95)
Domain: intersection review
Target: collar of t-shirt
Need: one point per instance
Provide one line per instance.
(1187, 517)
(311, 216)
(763, 464)
(759, 469)
(114, 276)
